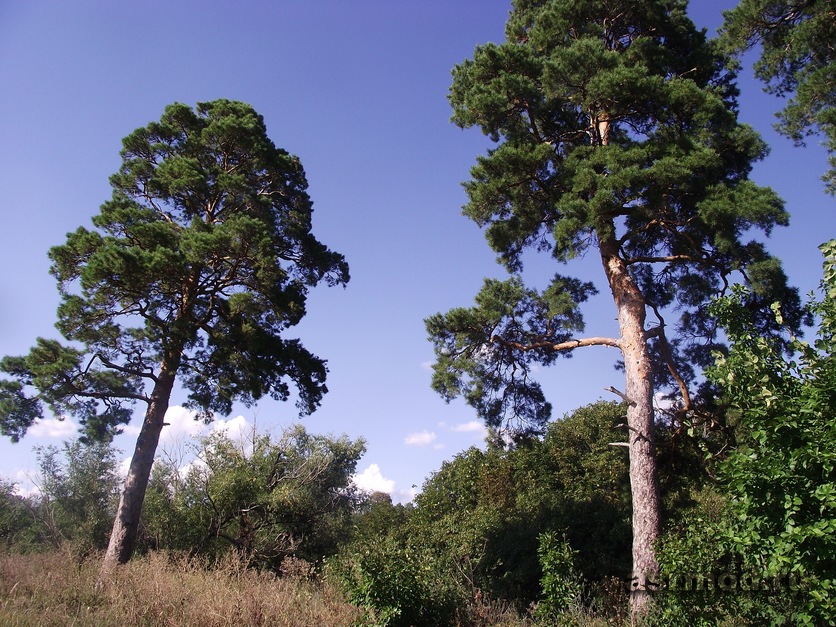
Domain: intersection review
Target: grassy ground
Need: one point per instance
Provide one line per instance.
(58, 589)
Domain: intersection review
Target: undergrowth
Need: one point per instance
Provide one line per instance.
(61, 588)
(162, 589)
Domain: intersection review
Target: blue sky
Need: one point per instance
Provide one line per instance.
(358, 91)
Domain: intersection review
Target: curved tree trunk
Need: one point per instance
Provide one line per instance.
(125, 525)
(639, 390)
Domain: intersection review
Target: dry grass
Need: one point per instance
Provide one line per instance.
(59, 589)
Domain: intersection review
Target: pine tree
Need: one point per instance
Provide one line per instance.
(616, 134)
(197, 265)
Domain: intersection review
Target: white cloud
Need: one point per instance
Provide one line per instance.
(661, 402)
(474, 426)
(124, 466)
(24, 484)
(181, 425)
(427, 365)
(404, 496)
(372, 480)
(198, 463)
(238, 431)
(53, 428)
(420, 438)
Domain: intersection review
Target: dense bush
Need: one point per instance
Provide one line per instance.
(758, 545)
(20, 529)
(781, 479)
(400, 584)
(561, 584)
(73, 504)
(266, 499)
(79, 493)
(504, 526)
(703, 580)
(486, 510)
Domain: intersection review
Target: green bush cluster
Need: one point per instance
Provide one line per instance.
(400, 584)
(72, 505)
(762, 539)
(561, 584)
(522, 526)
(264, 498)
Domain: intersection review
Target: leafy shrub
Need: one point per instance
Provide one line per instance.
(561, 583)
(758, 546)
(264, 498)
(73, 505)
(703, 581)
(398, 584)
(483, 511)
(20, 529)
(781, 478)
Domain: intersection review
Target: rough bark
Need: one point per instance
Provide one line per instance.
(639, 392)
(126, 523)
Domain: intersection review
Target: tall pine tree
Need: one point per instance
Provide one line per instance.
(616, 135)
(196, 267)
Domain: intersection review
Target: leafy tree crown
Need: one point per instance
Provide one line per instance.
(615, 125)
(195, 267)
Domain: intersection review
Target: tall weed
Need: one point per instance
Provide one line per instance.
(161, 589)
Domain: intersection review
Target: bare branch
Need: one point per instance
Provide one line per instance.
(559, 346)
(621, 394)
(146, 374)
(665, 259)
(667, 356)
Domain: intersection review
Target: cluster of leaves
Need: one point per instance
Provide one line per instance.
(73, 505)
(17, 520)
(475, 360)
(768, 524)
(486, 510)
(704, 580)
(399, 582)
(782, 477)
(560, 582)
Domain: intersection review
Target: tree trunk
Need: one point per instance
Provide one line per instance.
(639, 390)
(125, 525)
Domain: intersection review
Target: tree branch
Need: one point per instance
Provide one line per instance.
(621, 395)
(109, 364)
(104, 396)
(666, 259)
(667, 356)
(559, 346)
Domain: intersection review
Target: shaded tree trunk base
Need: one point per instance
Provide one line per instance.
(126, 523)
